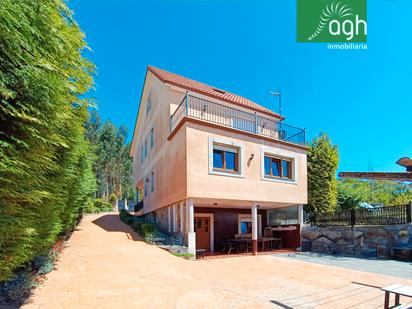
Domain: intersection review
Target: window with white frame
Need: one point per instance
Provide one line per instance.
(226, 157)
(245, 224)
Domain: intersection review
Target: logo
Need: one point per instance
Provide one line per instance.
(331, 21)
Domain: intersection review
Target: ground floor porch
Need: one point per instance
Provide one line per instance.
(231, 227)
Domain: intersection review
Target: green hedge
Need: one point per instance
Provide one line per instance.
(46, 172)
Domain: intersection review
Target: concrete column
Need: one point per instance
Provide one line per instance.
(181, 217)
(300, 222)
(169, 223)
(254, 229)
(191, 235)
(300, 215)
(174, 218)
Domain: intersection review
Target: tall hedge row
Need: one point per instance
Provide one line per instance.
(45, 160)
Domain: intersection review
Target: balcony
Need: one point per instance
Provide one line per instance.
(225, 116)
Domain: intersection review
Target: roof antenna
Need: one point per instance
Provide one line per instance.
(278, 93)
(370, 166)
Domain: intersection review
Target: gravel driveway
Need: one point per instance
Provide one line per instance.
(107, 265)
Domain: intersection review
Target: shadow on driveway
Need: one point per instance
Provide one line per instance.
(112, 223)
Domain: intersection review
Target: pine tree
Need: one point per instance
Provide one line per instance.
(323, 159)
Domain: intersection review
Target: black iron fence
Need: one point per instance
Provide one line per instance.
(198, 108)
(399, 214)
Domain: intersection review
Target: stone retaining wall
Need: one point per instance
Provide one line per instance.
(358, 240)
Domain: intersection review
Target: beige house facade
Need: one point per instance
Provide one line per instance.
(213, 166)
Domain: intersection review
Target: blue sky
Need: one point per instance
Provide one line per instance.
(362, 99)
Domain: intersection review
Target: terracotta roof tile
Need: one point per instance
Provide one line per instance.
(199, 87)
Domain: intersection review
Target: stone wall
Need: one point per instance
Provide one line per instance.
(368, 241)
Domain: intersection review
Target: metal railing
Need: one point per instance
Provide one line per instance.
(138, 206)
(388, 215)
(230, 117)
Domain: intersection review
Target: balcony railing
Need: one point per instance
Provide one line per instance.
(197, 108)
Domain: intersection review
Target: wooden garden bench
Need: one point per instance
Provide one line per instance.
(398, 290)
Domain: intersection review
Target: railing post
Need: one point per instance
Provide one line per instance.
(409, 212)
(170, 124)
(353, 217)
(187, 103)
(304, 137)
(256, 123)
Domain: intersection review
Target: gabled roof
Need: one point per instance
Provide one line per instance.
(195, 86)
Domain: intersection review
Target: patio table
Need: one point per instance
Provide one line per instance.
(234, 243)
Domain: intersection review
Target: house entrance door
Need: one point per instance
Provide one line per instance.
(202, 229)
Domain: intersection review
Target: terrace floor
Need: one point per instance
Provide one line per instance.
(384, 267)
(107, 265)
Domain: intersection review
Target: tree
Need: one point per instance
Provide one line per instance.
(347, 201)
(323, 161)
(113, 166)
(375, 191)
(45, 161)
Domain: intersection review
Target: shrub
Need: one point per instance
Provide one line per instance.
(17, 289)
(112, 199)
(89, 207)
(137, 226)
(102, 206)
(147, 228)
(125, 216)
(187, 256)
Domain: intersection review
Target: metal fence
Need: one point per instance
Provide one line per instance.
(399, 214)
(198, 108)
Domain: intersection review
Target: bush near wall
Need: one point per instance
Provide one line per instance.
(98, 205)
(145, 229)
(45, 161)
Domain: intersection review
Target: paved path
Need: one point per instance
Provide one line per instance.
(383, 267)
(106, 265)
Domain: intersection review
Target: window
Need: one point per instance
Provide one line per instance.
(278, 168)
(145, 148)
(152, 138)
(245, 224)
(146, 186)
(148, 106)
(285, 215)
(286, 169)
(142, 154)
(152, 183)
(245, 227)
(225, 158)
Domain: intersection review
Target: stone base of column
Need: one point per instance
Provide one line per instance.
(254, 247)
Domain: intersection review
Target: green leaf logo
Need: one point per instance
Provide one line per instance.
(334, 10)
